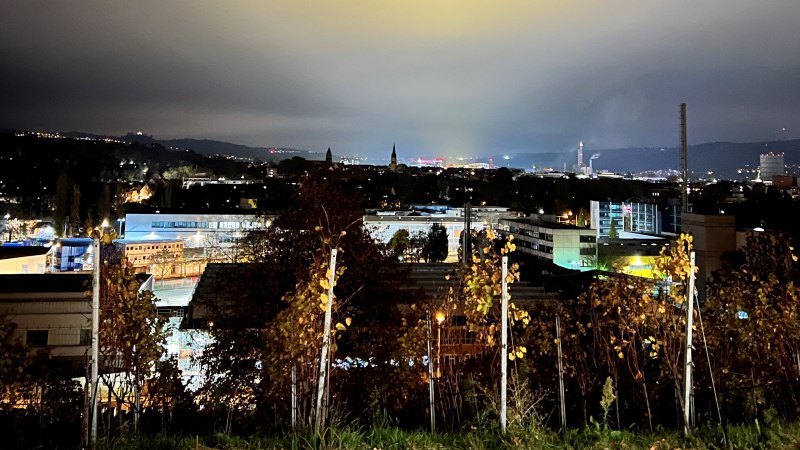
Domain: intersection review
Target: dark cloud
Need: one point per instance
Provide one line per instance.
(443, 78)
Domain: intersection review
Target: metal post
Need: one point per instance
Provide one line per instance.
(561, 376)
(687, 393)
(504, 345)
(95, 337)
(684, 162)
(326, 337)
(432, 406)
(294, 395)
(439, 351)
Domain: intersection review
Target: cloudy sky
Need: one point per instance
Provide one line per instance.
(447, 78)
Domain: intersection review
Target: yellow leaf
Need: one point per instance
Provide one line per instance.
(348, 321)
(621, 356)
(340, 326)
(486, 249)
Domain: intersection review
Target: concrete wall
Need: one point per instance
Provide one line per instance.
(714, 235)
(23, 264)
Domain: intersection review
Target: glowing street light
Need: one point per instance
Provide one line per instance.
(439, 320)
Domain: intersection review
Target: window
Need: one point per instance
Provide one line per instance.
(86, 337)
(36, 338)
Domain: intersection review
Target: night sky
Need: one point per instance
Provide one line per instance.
(437, 77)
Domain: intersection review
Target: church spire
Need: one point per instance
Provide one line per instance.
(329, 156)
(393, 163)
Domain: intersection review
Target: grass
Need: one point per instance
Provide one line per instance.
(775, 435)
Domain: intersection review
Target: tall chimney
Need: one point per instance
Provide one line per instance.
(684, 162)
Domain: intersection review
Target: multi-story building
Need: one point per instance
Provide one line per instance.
(713, 236)
(771, 165)
(70, 255)
(564, 245)
(22, 259)
(161, 257)
(52, 311)
(196, 230)
(382, 225)
(625, 218)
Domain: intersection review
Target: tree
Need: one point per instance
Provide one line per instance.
(437, 243)
(752, 313)
(399, 242)
(14, 358)
(178, 173)
(257, 333)
(612, 231)
(131, 333)
(417, 244)
(625, 324)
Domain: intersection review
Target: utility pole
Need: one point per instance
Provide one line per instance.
(95, 338)
(687, 393)
(504, 345)
(326, 337)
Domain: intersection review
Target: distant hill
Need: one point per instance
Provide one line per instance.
(723, 158)
(212, 147)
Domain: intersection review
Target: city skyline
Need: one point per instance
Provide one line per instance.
(451, 79)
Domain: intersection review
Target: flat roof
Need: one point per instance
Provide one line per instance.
(554, 225)
(45, 282)
(432, 218)
(148, 241)
(52, 282)
(21, 251)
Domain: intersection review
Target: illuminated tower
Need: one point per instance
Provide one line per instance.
(393, 163)
(771, 164)
(580, 155)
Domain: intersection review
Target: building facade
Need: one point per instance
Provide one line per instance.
(624, 217)
(770, 165)
(196, 230)
(564, 245)
(382, 225)
(163, 258)
(53, 312)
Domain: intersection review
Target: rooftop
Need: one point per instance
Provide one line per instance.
(21, 251)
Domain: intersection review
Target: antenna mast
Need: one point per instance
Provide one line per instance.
(684, 162)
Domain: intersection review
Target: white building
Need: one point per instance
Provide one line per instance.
(52, 311)
(196, 230)
(564, 245)
(22, 259)
(382, 225)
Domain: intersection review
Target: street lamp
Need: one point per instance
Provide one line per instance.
(439, 321)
